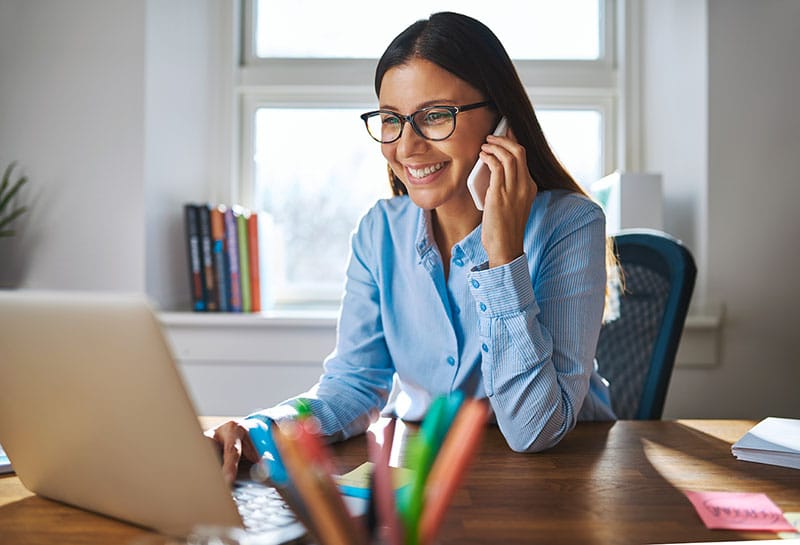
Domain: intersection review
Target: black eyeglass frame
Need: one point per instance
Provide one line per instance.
(454, 110)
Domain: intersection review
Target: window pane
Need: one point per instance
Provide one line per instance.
(317, 171)
(576, 137)
(534, 29)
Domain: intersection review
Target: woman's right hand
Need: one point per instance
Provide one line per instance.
(511, 193)
(232, 440)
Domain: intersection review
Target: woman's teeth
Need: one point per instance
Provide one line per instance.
(422, 172)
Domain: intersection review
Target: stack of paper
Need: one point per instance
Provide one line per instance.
(774, 441)
(5, 463)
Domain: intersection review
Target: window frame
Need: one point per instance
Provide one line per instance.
(308, 83)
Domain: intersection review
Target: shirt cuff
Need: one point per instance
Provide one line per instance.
(278, 414)
(506, 289)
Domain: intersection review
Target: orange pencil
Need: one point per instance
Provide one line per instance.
(320, 455)
(316, 467)
(331, 520)
(450, 465)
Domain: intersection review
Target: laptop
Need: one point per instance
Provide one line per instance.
(94, 413)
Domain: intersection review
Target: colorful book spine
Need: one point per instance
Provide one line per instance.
(218, 255)
(252, 247)
(244, 257)
(232, 241)
(209, 283)
(193, 254)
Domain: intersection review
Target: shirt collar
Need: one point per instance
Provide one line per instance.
(424, 239)
(469, 248)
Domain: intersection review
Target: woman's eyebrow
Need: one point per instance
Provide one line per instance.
(426, 104)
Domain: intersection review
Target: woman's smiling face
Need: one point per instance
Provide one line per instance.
(434, 173)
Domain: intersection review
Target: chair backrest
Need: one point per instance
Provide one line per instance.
(636, 352)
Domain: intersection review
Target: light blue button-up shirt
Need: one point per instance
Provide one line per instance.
(522, 335)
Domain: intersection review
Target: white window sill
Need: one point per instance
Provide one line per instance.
(266, 319)
(308, 336)
(279, 337)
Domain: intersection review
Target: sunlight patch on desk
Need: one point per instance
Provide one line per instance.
(691, 471)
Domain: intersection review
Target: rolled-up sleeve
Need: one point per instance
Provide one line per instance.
(538, 325)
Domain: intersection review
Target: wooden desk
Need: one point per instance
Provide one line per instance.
(605, 483)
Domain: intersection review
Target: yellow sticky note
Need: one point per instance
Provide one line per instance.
(794, 520)
(356, 482)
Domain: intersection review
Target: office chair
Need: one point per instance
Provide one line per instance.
(636, 351)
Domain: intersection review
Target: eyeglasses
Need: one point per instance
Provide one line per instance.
(433, 123)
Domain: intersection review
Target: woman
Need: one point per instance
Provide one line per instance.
(506, 303)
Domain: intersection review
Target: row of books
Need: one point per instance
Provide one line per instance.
(222, 246)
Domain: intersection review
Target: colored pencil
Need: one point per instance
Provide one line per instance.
(450, 465)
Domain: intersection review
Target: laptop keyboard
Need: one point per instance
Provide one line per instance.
(261, 507)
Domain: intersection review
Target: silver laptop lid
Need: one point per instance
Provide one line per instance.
(93, 412)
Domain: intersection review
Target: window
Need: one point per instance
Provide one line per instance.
(295, 78)
(567, 29)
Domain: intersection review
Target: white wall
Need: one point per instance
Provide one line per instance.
(114, 110)
(738, 141)
(71, 113)
(674, 129)
(187, 142)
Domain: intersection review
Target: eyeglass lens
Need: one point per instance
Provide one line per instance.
(432, 123)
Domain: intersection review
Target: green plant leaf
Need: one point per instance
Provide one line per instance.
(11, 217)
(12, 192)
(7, 176)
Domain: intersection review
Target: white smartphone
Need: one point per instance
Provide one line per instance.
(478, 179)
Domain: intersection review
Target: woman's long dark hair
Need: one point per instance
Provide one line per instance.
(468, 49)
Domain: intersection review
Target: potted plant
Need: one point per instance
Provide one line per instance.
(7, 191)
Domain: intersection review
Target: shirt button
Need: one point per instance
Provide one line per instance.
(457, 310)
(482, 307)
(458, 261)
(451, 360)
(484, 347)
(475, 283)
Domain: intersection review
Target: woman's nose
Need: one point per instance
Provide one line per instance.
(410, 142)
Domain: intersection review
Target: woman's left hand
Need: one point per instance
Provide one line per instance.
(232, 440)
(508, 201)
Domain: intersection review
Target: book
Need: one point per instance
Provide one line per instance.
(252, 249)
(219, 256)
(232, 248)
(241, 215)
(209, 283)
(774, 441)
(192, 230)
(5, 463)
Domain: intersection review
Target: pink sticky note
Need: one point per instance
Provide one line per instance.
(738, 511)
